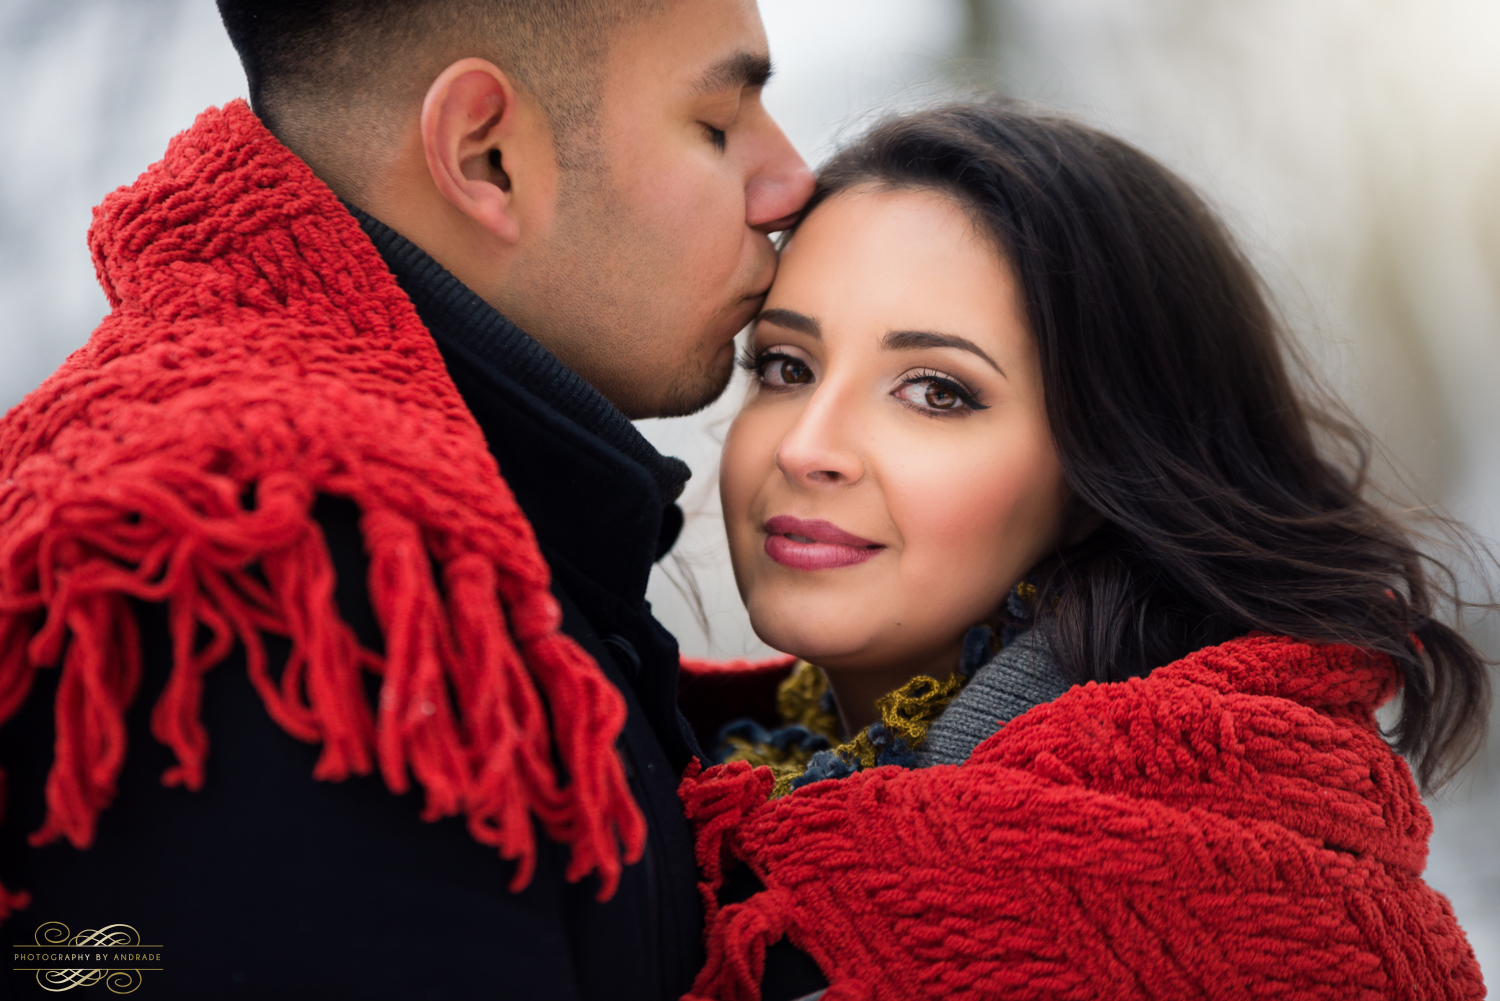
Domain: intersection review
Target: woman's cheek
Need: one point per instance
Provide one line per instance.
(1029, 503)
(743, 467)
(968, 543)
(953, 534)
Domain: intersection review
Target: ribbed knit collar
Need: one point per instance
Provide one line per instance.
(454, 311)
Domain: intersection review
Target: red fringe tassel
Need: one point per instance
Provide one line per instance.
(75, 565)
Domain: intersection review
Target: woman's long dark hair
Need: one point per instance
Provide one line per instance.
(1177, 422)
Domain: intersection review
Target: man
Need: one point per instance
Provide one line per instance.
(262, 535)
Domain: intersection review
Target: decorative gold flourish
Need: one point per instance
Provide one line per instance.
(55, 934)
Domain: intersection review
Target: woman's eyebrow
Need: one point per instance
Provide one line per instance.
(913, 340)
(792, 320)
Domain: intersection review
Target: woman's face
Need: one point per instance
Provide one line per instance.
(891, 474)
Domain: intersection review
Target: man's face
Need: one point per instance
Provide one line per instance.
(662, 254)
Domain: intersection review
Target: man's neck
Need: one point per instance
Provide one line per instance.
(465, 316)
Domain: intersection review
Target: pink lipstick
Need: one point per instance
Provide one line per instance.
(815, 545)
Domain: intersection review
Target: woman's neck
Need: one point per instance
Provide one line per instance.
(857, 689)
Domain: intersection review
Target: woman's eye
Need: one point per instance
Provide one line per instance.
(782, 370)
(718, 137)
(776, 368)
(934, 393)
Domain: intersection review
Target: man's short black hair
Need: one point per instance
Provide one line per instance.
(309, 60)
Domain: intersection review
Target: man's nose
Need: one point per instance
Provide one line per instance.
(775, 194)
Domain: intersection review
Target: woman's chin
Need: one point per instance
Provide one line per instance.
(812, 638)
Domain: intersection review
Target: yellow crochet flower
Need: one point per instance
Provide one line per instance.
(801, 700)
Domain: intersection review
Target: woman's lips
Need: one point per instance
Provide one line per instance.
(815, 545)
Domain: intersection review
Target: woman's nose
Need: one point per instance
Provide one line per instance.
(819, 450)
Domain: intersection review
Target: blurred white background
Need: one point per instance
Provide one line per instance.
(1354, 147)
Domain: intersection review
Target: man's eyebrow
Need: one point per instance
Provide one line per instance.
(743, 69)
(792, 320)
(913, 340)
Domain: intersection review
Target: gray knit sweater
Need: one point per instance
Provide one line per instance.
(1017, 678)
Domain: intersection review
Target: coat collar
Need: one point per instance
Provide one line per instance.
(598, 494)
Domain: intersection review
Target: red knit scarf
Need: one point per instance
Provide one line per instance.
(259, 353)
(1232, 826)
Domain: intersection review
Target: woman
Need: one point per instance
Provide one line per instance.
(1013, 374)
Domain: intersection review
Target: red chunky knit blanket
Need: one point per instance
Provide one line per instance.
(1232, 826)
(259, 353)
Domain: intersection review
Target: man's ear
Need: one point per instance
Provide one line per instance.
(469, 118)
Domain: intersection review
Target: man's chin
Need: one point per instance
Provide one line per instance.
(698, 391)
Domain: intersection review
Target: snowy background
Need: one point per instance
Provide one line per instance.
(1354, 147)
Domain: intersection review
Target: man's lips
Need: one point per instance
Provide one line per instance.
(815, 545)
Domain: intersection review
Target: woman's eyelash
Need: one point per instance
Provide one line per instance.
(777, 370)
(756, 362)
(717, 136)
(965, 395)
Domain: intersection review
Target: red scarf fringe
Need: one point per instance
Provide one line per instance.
(258, 347)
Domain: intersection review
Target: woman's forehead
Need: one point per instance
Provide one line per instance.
(875, 261)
